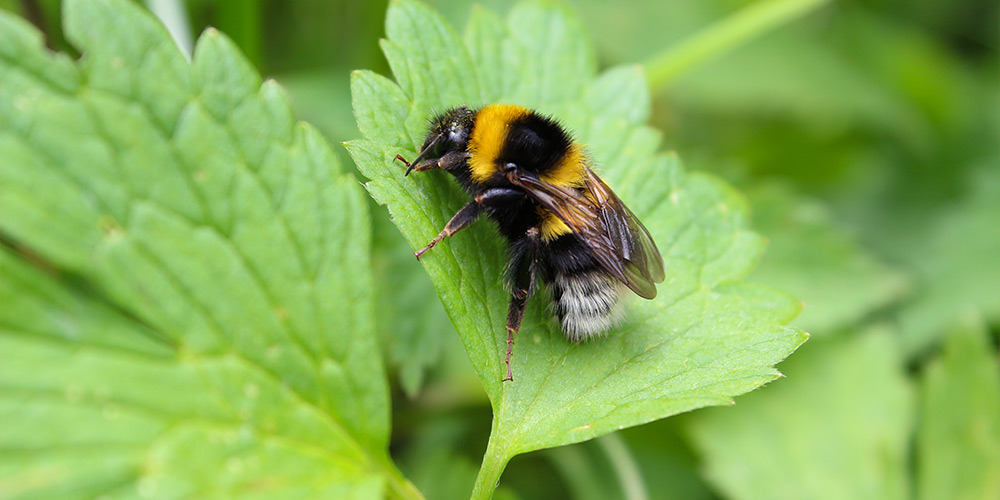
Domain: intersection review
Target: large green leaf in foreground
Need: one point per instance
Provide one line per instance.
(706, 337)
(195, 317)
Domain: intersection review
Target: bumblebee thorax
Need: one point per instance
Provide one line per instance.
(508, 134)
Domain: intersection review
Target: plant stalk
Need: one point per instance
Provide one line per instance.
(494, 461)
(734, 30)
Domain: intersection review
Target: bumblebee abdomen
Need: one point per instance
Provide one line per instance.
(588, 304)
(586, 298)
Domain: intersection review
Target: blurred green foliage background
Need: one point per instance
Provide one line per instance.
(866, 136)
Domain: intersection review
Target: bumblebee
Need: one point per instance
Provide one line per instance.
(563, 223)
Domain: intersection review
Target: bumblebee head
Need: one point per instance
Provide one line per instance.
(449, 131)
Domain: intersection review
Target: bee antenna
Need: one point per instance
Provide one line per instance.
(430, 147)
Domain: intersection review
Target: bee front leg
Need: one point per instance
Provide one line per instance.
(467, 215)
(522, 280)
(449, 161)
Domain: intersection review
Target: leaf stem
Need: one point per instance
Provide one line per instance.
(397, 485)
(737, 28)
(627, 470)
(494, 461)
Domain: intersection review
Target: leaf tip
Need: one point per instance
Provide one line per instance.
(637, 69)
(271, 87)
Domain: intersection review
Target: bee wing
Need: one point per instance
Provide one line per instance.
(631, 240)
(612, 233)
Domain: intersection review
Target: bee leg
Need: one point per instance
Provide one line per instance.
(461, 220)
(522, 277)
(490, 198)
(453, 160)
(449, 161)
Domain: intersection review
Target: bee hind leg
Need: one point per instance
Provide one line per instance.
(522, 279)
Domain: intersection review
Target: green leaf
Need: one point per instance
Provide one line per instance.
(413, 327)
(814, 258)
(956, 262)
(838, 428)
(707, 336)
(958, 447)
(188, 307)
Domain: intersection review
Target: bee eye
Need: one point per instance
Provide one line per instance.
(458, 136)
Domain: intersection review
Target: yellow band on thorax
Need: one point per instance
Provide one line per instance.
(488, 137)
(569, 171)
